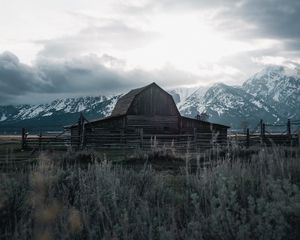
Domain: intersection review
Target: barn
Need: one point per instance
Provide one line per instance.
(142, 114)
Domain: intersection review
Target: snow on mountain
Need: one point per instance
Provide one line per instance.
(227, 105)
(56, 114)
(272, 94)
(180, 94)
(279, 87)
(101, 104)
(68, 105)
(193, 104)
(3, 117)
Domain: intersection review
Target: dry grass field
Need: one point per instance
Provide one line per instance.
(83, 195)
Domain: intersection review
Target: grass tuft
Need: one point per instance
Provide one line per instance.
(83, 195)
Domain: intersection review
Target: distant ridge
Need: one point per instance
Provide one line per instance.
(272, 94)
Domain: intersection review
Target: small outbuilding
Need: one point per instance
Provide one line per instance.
(142, 115)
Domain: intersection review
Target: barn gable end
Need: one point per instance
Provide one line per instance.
(125, 102)
(147, 101)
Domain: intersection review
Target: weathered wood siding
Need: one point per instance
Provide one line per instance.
(153, 101)
(109, 124)
(188, 125)
(154, 124)
(207, 131)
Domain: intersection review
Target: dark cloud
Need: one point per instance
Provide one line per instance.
(273, 18)
(86, 75)
(17, 78)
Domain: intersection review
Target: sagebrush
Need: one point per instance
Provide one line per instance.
(256, 197)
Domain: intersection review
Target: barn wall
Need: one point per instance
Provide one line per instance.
(74, 131)
(109, 125)
(153, 101)
(207, 132)
(154, 124)
(188, 125)
(74, 136)
(105, 132)
(220, 134)
(110, 130)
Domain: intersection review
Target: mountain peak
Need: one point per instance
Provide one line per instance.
(275, 70)
(277, 86)
(219, 85)
(272, 94)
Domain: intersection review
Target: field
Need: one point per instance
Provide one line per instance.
(232, 193)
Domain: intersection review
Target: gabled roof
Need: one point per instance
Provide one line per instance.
(205, 122)
(124, 102)
(95, 120)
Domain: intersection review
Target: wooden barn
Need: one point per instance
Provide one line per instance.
(142, 115)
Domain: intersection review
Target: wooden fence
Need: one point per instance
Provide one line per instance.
(263, 134)
(46, 140)
(121, 140)
(20, 151)
(284, 134)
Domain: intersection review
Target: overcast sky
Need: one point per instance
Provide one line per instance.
(60, 48)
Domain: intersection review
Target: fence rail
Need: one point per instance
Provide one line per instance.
(263, 134)
(269, 134)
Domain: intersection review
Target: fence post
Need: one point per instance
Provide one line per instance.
(248, 138)
(262, 131)
(195, 138)
(81, 131)
(141, 138)
(289, 126)
(299, 138)
(289, 131)
(83, 136)
(23, 143)
(40, 141)
(261, 127)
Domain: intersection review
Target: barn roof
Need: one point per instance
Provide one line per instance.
(87, 122)
(124, 102)
(205, 122)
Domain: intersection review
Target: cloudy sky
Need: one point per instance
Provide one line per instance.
(61, 48)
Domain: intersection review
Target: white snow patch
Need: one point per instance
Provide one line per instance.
(276, 96)
(3, 117)
(110, 107)
(81, 107)
(35, 112)
(60, 105)
(257, 103)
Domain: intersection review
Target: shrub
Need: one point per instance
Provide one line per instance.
(232, 198)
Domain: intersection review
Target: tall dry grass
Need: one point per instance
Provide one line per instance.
(233, 197)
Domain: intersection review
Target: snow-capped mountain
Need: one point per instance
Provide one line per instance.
(55, 114)
(229, 105)
(193, 104)
(181, 94)
(272, 94)
(99, 105)
(278, 87)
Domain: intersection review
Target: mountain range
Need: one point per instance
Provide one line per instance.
(272, 94)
